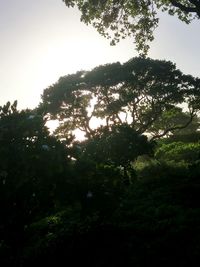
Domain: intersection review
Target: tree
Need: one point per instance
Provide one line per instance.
(138, 93)
(137, 18)
(33, 170)
(117, 146)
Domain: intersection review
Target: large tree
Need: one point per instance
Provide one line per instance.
(32, 169)
(138, 93)
(137, 18)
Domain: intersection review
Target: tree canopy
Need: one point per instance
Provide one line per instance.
(140, 93)
(117, 19)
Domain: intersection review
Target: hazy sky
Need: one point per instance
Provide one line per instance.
(42, 40)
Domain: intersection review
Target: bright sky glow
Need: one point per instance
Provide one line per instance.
(42, 40)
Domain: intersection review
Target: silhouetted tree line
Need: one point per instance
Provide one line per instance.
(126, 195)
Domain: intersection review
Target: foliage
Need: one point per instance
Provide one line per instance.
(142, 93)
(117, 146)
(32, 172)
(99, 187)
(180, 123)
(29, 156)
(97, 195)
(137, 18)
(115, 198)
(160, 214)
(179, 151)
(157, 217)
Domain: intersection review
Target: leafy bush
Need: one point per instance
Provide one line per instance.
(179, 151)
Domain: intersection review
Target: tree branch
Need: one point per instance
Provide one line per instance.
(175, 127)
(188, 9)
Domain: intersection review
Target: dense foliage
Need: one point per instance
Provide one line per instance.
(142, 93)
(132, 18)
(126, 195)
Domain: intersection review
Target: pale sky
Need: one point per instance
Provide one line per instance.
(42, 40)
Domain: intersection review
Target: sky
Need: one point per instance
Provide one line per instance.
(42, 40)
